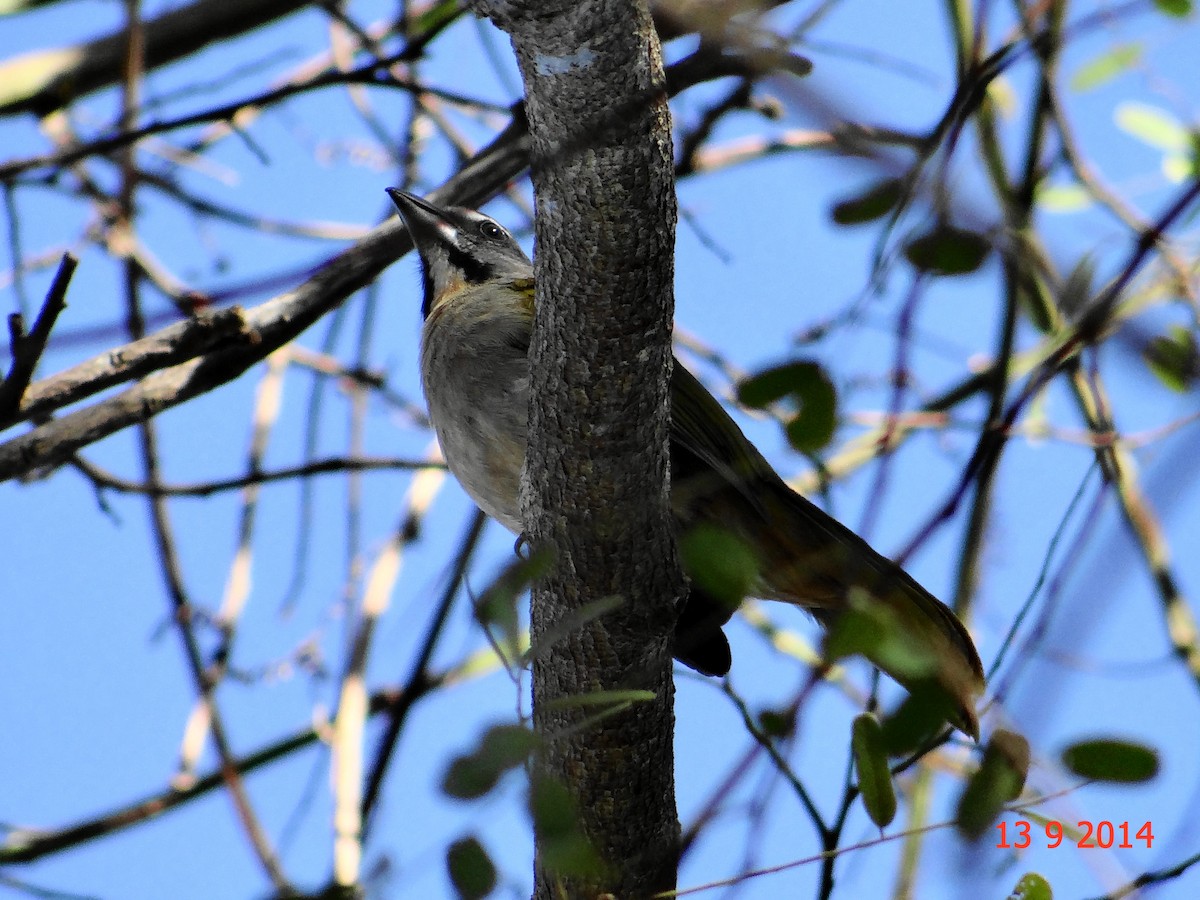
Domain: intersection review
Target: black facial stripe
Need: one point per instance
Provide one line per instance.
(474, 271)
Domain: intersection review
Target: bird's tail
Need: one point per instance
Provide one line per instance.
(870, 604)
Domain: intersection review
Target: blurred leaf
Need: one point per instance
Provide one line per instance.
(1177, 8)
(467, 778)
(874, 775)
(1032, 886)
(8, 7)
(999, 779)
(1174, 358)
(470, 868)
(497, 605)
(1179, 168)
(1063, 198)
(1076, 292)
(982, 800)
(1107, 759)
(876, 201)
(1153, 126)
(921, 716)
(562, 845)
(871, 629)
(433, 17)
(811, 393)
(486, 660)
(947, 251)
(719, 562)
(1106, 66)
(601, 698)
(1013, 748)
(775, 723)
(501, 748)
(509, 745)
(1002, 95)
(552, 808)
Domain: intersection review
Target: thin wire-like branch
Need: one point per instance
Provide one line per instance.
(1016, 806)
(328, 466)
(1156, 876)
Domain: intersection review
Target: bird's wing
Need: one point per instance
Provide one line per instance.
(707, 445)
(808, 557)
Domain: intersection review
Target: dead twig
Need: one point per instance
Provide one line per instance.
(27, 349)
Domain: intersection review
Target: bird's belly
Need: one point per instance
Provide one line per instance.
(484, 446)
(487, 463)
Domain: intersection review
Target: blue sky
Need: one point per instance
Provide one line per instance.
(93, 684)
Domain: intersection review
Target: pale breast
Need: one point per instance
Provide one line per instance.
(476, 382)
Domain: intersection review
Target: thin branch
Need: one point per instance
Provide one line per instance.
(349, 726)
(418, 674)
(27, 845)
(1155, 876)
(46, 80)
(27, 349)
(330, 465)
(172, 345)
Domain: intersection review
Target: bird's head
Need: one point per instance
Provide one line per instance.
(459, 247)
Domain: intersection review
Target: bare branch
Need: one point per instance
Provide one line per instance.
(46, 80)
(27, 349)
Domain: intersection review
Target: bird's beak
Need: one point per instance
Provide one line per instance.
(426, 223)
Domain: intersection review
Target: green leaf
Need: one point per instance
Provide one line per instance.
(874, 775)
(1076, 292)
(776, 724)
(1178, 169)
(719, 562)
(467, 778)
(601, 698)
(562, 845)
(1108, 759)
(808, 390)
(921, 716)
(876, 201)
(869, 628)
(1174, 358)
(1013, 749)
(501, 748)
(1002, 95)
(999, 779)
(1178, 9)
(434, 17)
(947, 251)
(1154, 126)
(1032, 886)
(1106, 67)
(470, 868)
(497, 605)
(1062, 198)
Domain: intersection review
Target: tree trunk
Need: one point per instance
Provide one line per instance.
(595, 492)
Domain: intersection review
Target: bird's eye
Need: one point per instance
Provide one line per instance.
(490, 230)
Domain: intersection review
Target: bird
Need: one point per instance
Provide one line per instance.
(478, 310)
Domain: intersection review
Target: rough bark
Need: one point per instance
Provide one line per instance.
(595, 490)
